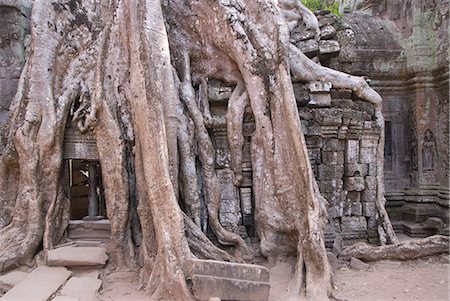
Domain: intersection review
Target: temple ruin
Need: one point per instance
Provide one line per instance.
(400, 47)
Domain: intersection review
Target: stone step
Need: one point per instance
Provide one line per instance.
(249, 272)
(79, 229)
(77, 257)
(206, 287)
(83, 288)
(11, 279)
(39, 285)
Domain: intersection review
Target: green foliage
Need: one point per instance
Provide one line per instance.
(315, 5)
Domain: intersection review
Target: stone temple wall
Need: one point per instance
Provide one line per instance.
(342, 141)
(403, 47)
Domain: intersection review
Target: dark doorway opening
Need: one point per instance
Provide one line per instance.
(83, 185)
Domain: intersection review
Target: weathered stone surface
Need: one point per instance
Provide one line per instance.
(369, 209)
(83, 288)
(368, 155)
(327, 32)
(39, 285)
(319, 87)
(359, 265)
(334, 145)
(203, 287)
(352, 170)
(357, 209)
(354, 184)
(229, 281)
(329, 47)
(320, 99)
(77, 256)
(98, 230)
(353, 223)
(309, 47)
(333, 157)
(9, 280)
(301, 33)
(246, 200)
(335, 262)
(215, 268)
(330, 172)
(352, 152)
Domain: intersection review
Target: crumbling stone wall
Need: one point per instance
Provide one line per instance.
(403, 47)
(342, 138)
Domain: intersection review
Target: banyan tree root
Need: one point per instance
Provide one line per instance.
(207, 159)
(411, 249)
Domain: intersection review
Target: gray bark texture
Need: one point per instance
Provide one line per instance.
(132, 66)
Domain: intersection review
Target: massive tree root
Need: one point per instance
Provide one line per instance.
(411, 249)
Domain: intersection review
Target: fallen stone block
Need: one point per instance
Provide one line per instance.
(77, 256)
(204, 287)
(83, 288)
(222, 269)
(229, 281)
(11, 279)
(357, 264)
(39, 285)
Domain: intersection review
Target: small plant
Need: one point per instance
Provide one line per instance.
(316, 5)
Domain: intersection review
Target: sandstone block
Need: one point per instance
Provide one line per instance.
(320, 100)
(309, 47)
(204, 287)
(352, 151)
(39, 285)
(353, 223)
(330, 171)
(246, 200)
(334, 144)
(368, 155)
(357, 264)
(83, 288)
(327, 32)
(318, 87)
(9, 280)
(341, 94)
(328, 186)
(369, 209)
(355, 170)
(357, 209)
(333, 157)
(249, 272)
(301, 33)
(77, 256)
(354, 184)
(329, 47)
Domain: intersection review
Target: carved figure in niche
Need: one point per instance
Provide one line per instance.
(428, 150)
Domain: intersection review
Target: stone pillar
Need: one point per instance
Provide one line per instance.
(93, 184)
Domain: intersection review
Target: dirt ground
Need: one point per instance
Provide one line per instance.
(422, 279)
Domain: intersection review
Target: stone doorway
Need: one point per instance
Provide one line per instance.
(84, 187)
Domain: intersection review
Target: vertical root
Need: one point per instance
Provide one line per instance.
(188, 175)
(207, 159)
(235, 119)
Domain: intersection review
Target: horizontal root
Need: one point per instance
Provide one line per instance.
(407, 250)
